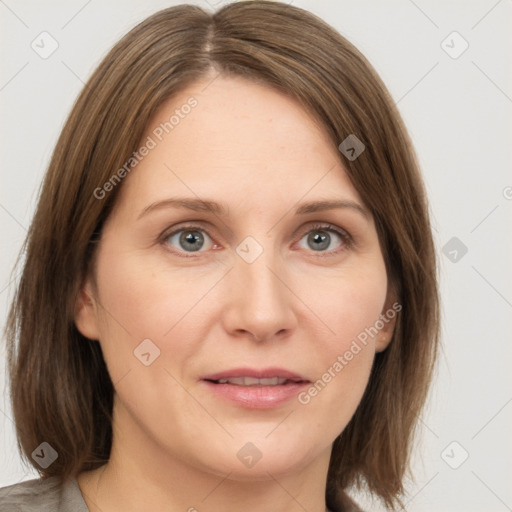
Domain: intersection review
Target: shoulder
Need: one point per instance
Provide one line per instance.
(42, 495)
(31, 495)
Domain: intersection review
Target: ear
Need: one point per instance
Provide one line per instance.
(86, 312)
(388, 319)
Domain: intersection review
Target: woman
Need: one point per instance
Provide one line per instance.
(229, 295)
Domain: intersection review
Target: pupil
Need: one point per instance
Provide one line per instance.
(320, 241)
(190, 238)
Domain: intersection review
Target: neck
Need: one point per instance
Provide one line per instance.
(141, 476)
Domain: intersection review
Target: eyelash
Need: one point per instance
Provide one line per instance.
(344, 236)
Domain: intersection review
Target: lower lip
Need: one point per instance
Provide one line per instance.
(257, 397)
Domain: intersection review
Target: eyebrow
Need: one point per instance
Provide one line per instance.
(210, 206)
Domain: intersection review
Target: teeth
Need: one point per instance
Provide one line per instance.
(251, 381)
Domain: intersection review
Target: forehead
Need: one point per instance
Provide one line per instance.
(240, 139)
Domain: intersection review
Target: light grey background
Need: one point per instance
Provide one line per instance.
(459, 114)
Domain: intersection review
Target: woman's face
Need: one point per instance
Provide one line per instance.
(250, 283)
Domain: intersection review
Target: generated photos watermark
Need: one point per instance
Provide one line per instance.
(151, 142)
(341, 361)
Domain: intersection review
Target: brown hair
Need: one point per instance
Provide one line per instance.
(61, 391)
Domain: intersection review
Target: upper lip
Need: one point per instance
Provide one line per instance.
(263, 373)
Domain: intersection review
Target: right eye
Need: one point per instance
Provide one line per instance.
(188, 239)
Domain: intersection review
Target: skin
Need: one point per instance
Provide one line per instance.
(175, 443)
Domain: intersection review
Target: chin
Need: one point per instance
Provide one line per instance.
(261, 459)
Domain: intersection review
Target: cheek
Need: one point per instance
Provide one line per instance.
(141, 299)
(132, 309)
(141, 302)
(350, 306)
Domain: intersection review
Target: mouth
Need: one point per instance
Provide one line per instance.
(256, 389)
(253, 381)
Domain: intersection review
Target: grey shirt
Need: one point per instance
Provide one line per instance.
(42, 495)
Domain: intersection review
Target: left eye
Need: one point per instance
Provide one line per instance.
(320, 238)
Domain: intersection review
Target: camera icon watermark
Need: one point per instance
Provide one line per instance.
(351, 147)
(454, 249)
(249, 249)
(44, 45)
(454, 455)
(146, 352)
(249, 455)
(454, 45)
(45, 455)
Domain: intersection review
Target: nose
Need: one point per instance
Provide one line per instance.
(260, 302)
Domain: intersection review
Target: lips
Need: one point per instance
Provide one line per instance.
(256, 388)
